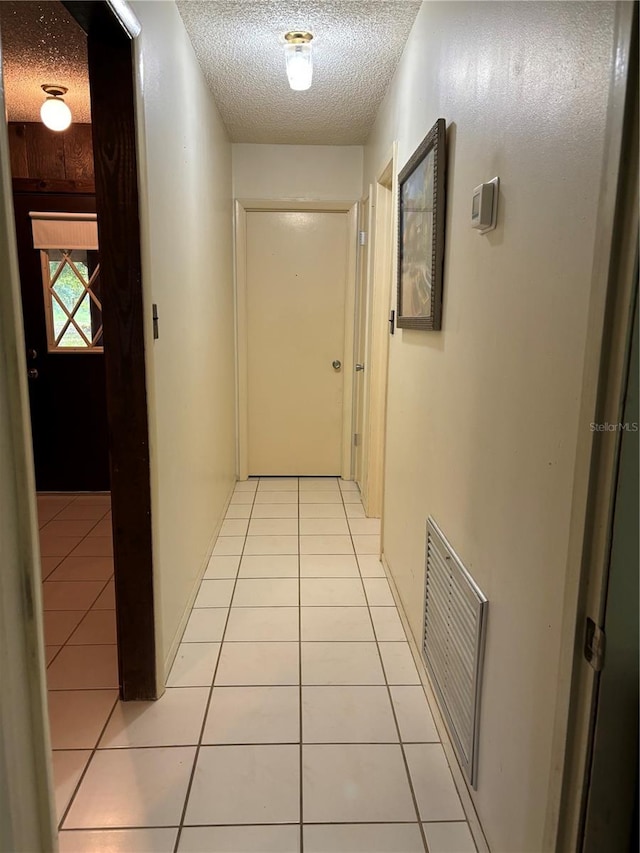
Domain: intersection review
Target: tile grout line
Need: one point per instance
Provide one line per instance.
(211, 689)
(63, 646)
(199, 744)
(94, 750)
(78, 645)
(235, 825)
(42, 530)
(390, 698)
(288, 578)
(300, 720)
(85, 611)
(233, 686)
(44, 580)
(56, 514)
(142, 747)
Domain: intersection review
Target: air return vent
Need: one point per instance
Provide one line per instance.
(455, 619)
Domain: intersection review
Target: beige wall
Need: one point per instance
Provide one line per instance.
(302, 172)
(186, 219)
(483, 416)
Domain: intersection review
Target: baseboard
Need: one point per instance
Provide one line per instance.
(452, 759)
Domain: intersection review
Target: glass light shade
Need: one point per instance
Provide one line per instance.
(299, 66)
(55, 114)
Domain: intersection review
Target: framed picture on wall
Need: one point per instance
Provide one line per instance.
(421, 202)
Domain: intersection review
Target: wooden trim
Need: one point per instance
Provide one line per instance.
(48, 304)
(111, 76)
(126, 17)
(39, 153)
(86, 14)
(41, 185)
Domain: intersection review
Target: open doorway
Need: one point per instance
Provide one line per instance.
(59, 264)
(79, 260)
(54, 204)
(373, 324)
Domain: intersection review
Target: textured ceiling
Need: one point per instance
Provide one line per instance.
(41, 43)
(356, 47)
(239, 43)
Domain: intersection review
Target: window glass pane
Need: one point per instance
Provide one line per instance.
(76, 318)
(72, 338)
(59, 318)
(68, 288)
(83, 316)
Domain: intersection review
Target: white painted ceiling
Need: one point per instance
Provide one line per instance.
(41, 43)
(356, 47)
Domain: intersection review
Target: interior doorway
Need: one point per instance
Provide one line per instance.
(83, 317)
(296, 277)
(373, 317)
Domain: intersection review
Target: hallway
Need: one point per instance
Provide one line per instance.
(294, 629)
(477, 384)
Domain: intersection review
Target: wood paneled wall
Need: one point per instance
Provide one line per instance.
(42, 154)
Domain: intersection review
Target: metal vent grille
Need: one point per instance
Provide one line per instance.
(454, 629)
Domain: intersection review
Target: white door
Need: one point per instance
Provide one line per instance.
(296, 273)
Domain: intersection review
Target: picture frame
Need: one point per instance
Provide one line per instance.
(421, 212)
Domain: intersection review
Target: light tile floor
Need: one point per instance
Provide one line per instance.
(294, 718)
(79, 629)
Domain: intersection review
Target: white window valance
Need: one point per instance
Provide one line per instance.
(64, 230)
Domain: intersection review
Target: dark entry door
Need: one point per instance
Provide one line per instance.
(66, 384)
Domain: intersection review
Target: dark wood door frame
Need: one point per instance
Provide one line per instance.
(111, 81)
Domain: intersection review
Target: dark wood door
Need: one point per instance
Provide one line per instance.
(66, 389)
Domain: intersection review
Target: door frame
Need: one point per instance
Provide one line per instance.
(27, 804)
(380, 291)
(241, 208)
(361, 341)
(604, 381)
(111, 28)
(609, 809)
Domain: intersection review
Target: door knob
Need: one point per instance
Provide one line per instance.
(336, 364)
(359, 366)
(32, 373)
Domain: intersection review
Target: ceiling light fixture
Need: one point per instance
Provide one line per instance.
(297, 53)
(55, 114)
